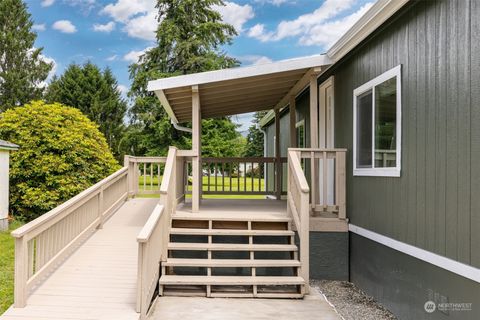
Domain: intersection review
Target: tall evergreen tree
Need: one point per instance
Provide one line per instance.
(189, 40)
(254, 147)
(22, 69)
(96, 94)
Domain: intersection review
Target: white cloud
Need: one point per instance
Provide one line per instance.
(108, 27)
(320, 27)
(47, 3)
(328, 33)
(112, 58)
(123, 10)
(64, 26)
(39, 27)
(133, 55)
(53, 71)
(123, 90)
(139, 17)
(274, 2)
(142, 27)
(254, 59)
(235, 14)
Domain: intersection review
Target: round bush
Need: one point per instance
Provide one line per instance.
(61, 154)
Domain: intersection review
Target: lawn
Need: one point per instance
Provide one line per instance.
(237, 185)
(7, 254)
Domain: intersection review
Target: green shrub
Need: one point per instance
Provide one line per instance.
(61, 153)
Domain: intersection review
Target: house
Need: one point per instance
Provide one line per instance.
(370, 161)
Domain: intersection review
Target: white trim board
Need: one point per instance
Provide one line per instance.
(456, 267)
(240, 72)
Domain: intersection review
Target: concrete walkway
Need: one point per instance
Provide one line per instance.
(313, 307)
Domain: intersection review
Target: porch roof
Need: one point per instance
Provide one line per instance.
(237, 90)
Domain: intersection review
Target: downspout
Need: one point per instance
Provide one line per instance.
(180, 128)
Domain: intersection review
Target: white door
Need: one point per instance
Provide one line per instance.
(326, 137)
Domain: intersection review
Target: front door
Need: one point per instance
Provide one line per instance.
(326, 137)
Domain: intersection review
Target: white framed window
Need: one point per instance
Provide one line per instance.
(300, 127)
(377, 126)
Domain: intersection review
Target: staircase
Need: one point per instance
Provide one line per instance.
(232, 255)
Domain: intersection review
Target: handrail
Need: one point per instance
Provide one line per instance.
(52, 214)
(146, 174)
(154, 236)
(298, 173)
(298, 208)
(45, 241)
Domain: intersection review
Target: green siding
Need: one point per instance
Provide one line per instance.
(435, 203)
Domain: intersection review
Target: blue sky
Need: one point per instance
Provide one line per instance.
(114, 33)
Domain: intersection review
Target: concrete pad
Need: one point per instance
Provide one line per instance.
(313, 307)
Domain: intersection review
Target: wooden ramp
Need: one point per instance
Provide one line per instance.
(98, 281)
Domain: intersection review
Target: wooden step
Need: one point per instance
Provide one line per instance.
(230, 232)
(230, 263)
(221, 216)
(230, 280)
(230, 247)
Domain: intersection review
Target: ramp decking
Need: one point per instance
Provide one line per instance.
(98, 281)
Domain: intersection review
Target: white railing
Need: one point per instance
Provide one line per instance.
(42, 243)
(326, 170)
(146, 174)
(153, 238)
(298, 208)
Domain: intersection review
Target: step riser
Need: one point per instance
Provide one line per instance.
(222, 257)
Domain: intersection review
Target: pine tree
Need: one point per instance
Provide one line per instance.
(22, 69)
(254, 147)
(190, 36)
(96, 94)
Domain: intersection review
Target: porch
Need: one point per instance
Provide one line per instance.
(187, 244)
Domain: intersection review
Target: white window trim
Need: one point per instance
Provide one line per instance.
(370, 85)
(299, 124)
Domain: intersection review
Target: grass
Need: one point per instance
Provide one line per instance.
(236, 185)
(7, 259)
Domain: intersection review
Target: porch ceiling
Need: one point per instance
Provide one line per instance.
(238, 90)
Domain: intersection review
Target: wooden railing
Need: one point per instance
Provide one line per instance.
(326, 171)
(298, 208)
(153, 238)
(242, 176)
(42, 243)
(146, 174)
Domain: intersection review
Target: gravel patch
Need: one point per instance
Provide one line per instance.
(351, 302)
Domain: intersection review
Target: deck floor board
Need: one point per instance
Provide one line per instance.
(98, 281)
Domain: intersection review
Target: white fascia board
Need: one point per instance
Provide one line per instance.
(456, 267)
(238, 73)
(368, 23)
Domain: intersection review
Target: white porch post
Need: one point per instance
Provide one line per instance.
(278, 164)
(315, 169)
(5, 148)
(197, 150)
(293, 122)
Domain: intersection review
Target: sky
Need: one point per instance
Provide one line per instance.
(114, 33)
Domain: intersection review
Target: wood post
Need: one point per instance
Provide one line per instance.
(101, 208)
(340, 184)
(278, 164)
(293, 122)
(315, 194)
(196, 147)
(21, 272)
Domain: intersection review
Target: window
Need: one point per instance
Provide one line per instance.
(300, 127)
(377, 126)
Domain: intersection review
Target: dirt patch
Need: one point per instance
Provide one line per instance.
(351, 303)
